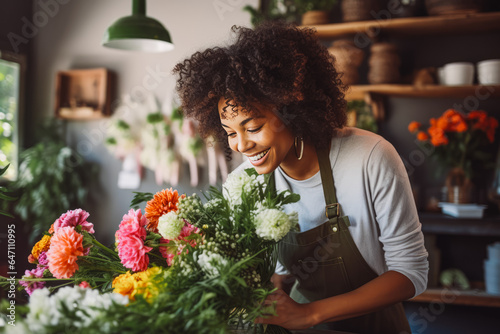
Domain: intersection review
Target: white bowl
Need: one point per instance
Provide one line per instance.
(488, 72)
(458, 74)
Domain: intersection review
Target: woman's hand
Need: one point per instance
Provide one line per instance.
(283, 282)
(290, 314)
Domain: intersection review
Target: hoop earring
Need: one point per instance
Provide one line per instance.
(299, 156)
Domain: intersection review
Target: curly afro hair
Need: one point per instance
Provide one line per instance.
(275, 64)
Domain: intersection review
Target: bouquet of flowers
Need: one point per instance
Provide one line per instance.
(458, 140)
(184, 266)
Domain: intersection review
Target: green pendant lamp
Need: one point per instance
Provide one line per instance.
(138, 32)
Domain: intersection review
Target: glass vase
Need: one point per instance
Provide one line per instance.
(459, 186)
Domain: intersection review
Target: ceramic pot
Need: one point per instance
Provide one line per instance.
(348, 58)
(457, 74)
(488, 72)
(384, 64)
(358, 10)
(314, 17)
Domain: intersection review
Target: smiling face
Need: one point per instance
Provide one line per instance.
(262, 136)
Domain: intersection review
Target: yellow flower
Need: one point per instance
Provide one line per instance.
(125, 284)
(139, 283)
(41, 246)
(145, 285)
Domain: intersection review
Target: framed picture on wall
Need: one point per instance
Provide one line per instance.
(84, 93)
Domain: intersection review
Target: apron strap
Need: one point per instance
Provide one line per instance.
(332, 208)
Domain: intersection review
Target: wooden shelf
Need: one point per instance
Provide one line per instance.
(427, 91)
(457, 297)
(430, 25)
(443, 224)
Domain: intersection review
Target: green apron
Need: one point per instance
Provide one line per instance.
(326, 262)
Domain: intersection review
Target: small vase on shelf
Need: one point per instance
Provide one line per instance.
(459, 186)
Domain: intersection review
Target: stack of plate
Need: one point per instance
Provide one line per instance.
(492, 269)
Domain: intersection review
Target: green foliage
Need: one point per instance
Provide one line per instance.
(364, 115)
(273, 10)
(9, 85)
(53, 178)
(155, 118)
(4, 194)
(140, 198)
(308, 5)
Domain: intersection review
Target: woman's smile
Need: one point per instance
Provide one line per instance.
(261, 136)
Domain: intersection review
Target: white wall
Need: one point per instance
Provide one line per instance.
(71, 39)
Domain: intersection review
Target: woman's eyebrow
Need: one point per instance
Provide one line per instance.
(244, 121)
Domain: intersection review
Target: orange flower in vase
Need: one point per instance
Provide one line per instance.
(462, 143)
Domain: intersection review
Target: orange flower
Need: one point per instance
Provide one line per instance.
(443, 123)
(490, 131)
(163, 202)
(457, 123)
(437, 136)
(450, 113)
(41, 246)
(51, 229)
(66, 246)
(422, 136)
(414, 126)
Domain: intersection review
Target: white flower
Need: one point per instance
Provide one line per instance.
(211, 262)
(87, 305)
(236, 183)
(272, 224)
(212, 204)
(170, 225)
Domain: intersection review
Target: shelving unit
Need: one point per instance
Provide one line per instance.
(457, 297)
(416, 26)
(443, 224)
(440, 224)
(433, 225)
(358, 92)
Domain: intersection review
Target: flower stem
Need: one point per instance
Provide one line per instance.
(101, 246)
(156, 256)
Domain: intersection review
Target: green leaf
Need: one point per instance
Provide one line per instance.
(139, 198)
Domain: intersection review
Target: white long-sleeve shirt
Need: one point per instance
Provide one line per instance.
(373, 190)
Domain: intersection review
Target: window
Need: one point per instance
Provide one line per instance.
(11, 74)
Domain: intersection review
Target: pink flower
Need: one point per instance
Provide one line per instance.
(30, 286)
(166, 252)
(186, 231)
(84, 284)
(133, 223)
(42, 259)
(131, 236)
(169, 252)
(74, 218)
(66, 245)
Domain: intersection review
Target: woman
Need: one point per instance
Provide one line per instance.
(275, 96)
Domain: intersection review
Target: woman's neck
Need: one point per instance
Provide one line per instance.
(304, 168)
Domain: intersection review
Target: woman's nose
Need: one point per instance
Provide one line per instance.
(244, 144)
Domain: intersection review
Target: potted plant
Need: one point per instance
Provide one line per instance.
(315, 12)
(52, 178)
(462, 144)
(271, 10)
